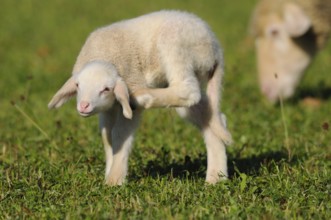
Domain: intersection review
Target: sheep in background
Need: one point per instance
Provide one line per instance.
(162, 59)
(288, 35)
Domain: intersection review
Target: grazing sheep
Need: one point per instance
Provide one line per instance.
(288, 35)
(162, 59)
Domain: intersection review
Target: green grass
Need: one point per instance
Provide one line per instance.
(52, 162)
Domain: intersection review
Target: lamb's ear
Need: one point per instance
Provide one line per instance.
(122, 95)
(67, 91)
(297, 22)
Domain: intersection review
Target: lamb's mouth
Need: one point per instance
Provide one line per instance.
(86, 114)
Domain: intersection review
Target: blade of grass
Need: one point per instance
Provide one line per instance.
(34, 123)
(287, 141)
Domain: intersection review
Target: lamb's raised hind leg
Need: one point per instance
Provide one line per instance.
(183, 94)
(183, 85)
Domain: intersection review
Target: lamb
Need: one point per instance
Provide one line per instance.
(288, 35)
(162, 59)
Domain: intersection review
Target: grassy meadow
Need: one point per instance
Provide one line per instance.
(52, 162)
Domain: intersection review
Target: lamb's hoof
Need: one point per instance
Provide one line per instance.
(111, 181)
(213, 179)
(143, 99)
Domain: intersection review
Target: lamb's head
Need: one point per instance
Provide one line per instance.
(284, 49)
(97, 86)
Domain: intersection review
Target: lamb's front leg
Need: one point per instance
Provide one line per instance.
(107, 121)
(122, 139)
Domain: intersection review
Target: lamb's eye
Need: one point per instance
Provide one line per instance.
(77, 85)
(105, 90)
(273, 32)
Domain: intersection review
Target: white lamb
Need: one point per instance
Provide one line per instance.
(160, 59)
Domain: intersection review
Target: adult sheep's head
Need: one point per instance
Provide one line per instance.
(97, 87)
(284, 45)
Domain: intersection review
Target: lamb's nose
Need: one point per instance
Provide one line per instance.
(84, 105)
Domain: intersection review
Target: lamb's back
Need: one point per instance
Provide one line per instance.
(136, 46)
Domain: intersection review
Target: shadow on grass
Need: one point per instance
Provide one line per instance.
(321, 92)
(195, 168)
(164, 166)
(251, 165)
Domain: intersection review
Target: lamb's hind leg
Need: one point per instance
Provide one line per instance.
(216, 157)
(201, 115)
(179, 94)
(183, 85)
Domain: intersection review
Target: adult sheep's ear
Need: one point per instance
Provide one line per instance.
(297, 22)
(122, 95)
(67, 91)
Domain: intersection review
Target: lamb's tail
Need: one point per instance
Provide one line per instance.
(217, 121)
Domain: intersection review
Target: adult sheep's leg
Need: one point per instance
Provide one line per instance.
(122, 138)
(107, 121)
(201, 115)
